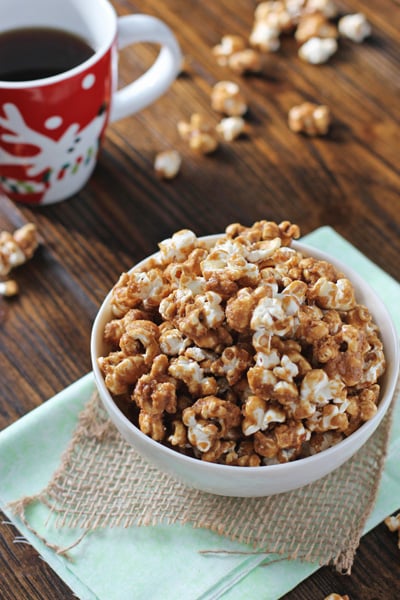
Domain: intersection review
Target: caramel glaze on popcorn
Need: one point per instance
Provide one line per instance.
(246, 353)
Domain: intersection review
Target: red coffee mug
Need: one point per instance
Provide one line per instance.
(51, 128)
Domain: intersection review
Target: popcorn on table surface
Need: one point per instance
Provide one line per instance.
(393, 524)
(18, 247)
(15, 250)
(310, 22)
(318, 50)
(355, 27)
(335, 596)
(309, 118)
(167, 164)
(9, 288)
(199, 133)
(227, 98)
(244, 352)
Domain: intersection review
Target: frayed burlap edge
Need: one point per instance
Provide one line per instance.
(139, 495)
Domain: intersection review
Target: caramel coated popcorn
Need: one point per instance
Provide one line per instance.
(18, 247)
(199, 133)
(309, 118)
(167, 164)
(15, 250)
(393, 524)
(243, 352)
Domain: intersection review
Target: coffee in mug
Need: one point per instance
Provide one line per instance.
(40, 52)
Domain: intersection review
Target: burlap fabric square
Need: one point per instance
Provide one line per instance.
(103, 482)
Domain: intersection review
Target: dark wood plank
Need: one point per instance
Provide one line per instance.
(349, 180)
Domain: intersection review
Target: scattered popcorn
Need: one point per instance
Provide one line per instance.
(242, 352)
(315, 25)
(227, 98)
(17, 248)
(199, 134)
(167, 164)
(231, 128)
(8, 288)
(393, 524)
(264, 37)
(230, 44)
(309, 118)
(355, 27)
(318, 50)
(274, 14)
(245, 61)
(327, 7)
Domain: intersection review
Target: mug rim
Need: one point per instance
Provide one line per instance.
(70, 73)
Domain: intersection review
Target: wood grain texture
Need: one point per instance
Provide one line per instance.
(349, 180)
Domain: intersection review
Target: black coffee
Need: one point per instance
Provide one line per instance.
(38, 52)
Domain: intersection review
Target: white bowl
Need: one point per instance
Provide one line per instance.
(264, 480)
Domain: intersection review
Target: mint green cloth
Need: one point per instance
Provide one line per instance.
(163, 562)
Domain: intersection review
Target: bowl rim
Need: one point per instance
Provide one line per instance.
(347, 443)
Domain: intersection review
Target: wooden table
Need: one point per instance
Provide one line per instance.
(349, 180)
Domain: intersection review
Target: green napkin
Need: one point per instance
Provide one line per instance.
(162, 562)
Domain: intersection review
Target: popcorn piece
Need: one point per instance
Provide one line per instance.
(313, 269)
(8, 288)
(315, 25)
(265, 37)
(197, 317)
(227, 98)
(310, 119)
(263, 231)
(244, 456)
(295, 8)
(258, 414)
(179, 435)
(155, 394)
(318, 50)
(231, 128)
(190, 372)
(322, 441)
(199, 134)
(114, 329)
(141, 338)
(350, 361)
(282, 443)
(335, 596)
(277, 315)
(121, 371)
(327, 7)
(138, 287)
(167, 164)
(172, 341)
(226, 259)
(211, 421)
(337, 295)
(245, 61)
(362, 407)
(178, 247)
(17, 248)
(273, 14)
(393, 524)
(230, 44)
(318, 390)
(355, 27)
(330, 417)
(233, 363)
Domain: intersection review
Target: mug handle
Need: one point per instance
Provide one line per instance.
(158, 78)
